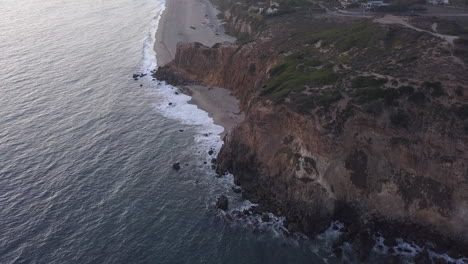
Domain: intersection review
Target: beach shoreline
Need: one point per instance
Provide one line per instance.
(196, 21)
(187, 21)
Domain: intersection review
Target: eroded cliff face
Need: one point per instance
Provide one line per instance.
(293, 162)
(383, 156)
(224, 65)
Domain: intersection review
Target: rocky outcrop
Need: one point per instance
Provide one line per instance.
(401, 170)
(304, 172)
(224, 65)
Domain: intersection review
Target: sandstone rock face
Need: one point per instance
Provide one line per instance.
(224, 65)
(281, 156)
(309, 167)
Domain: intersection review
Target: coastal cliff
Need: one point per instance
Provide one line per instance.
(357, 120)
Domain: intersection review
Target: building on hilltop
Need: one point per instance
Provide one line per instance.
(372, 4)
(438, 2)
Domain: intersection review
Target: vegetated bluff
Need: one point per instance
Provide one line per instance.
(346, 119)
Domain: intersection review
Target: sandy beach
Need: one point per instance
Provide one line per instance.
(196, 21)
(187, 21)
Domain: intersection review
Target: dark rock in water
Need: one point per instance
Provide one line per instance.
(390, 242)
(338, 252)
(245, 196)
(143, 75)
(338, 243)
(176, 93)
(237, 214)
(192, 27)
(176, 166)
(205, 162)
(211, 152)
(422, 257)
(154, 80)
(256, 210)
(407, 250)
(141, 85)
(170, 103)
(293, 227)
(206, 134)
(363, 244)
(229, 217)
(441, 261)
(236, 189)
(181, 130)
(265, 217)
(135, 76)
(393, 260)
(213, 160)
(222, 203)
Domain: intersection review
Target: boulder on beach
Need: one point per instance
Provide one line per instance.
(222, 203)
(176, 166)
(265, 217)
(236, 189)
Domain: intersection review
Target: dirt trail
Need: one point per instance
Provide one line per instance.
(391, 19)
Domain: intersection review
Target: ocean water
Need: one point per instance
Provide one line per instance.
(86, 151)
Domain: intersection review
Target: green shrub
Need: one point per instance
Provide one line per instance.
(278, 69)
(459, 91)
(296, 71)
(436, 88)
(418, 98)
(374, 108)
(391, 95)
(328, 97)
(461, 41)
(367, 81)
(323, 77)
(252, 68)
(356, 35)
(407, 60)
(304, 104)
(400, 119)
(367, 95)
(462, 111)
(406, 90)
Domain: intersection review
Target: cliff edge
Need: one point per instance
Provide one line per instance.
(353, 119)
